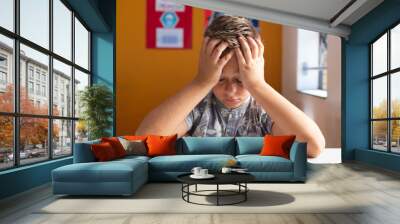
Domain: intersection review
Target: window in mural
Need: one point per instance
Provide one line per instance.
(45, 80)
(312, 72)
(385, 94)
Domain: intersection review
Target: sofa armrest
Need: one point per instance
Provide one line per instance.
(83, 152)
(298, 155)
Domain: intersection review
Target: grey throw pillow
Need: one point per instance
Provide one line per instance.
(134, 147)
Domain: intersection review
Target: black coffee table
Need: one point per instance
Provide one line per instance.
(238, 179)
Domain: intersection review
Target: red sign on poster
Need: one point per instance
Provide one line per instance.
(169, 25)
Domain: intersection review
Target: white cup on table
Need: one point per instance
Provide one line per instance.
(196, 171)
(203, 172)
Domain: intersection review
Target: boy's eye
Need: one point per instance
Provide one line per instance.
(238, 81)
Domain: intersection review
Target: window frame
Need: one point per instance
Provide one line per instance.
(388, 74)
(16, 115)
(319, 92)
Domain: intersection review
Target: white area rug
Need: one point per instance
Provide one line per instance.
(166, 198)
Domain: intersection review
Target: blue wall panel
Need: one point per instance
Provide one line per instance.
(355, 78)
(24, 178)
(103, 63)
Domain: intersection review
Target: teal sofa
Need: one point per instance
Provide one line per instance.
(126, 175)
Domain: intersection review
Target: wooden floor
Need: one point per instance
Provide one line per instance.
(378, 188)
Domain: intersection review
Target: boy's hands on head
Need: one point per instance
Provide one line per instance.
(211, 63)
(250, 57)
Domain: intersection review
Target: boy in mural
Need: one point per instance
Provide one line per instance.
(229, 96)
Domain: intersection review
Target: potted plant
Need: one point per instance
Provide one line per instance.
(96, 103)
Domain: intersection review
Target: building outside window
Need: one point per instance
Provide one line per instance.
(3, 78)
(38, 89)
(43, 90)
(30, 87)
(37, 75)
(3, 60)
(3, 72)
(30, 72)
(44, 77)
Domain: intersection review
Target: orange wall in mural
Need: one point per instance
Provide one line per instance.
(146, 77)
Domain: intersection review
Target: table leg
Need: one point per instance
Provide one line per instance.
(188, 189)
(245, 193)
(196, 188)
(182, 189)
(217, 194)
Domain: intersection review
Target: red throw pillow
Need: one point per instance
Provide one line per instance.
(161, 145)
(103, 151)
(116, 145)
(277, 145)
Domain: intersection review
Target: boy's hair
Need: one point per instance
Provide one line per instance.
(228, 28)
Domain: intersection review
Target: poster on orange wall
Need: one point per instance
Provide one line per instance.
(169, 25)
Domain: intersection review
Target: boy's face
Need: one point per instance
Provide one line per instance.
(230, 90)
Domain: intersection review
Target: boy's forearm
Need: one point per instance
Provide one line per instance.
(288, 116)
(164, 119)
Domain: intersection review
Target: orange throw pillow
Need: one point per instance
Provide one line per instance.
(116, 145)
(103, 151)
(277, 145)
(161, 145)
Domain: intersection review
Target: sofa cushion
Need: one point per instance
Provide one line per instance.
(111, 171)
(185, 163)
(207, 145)
(83, 152)
(133, 158)
(257, 163)
(249, 145)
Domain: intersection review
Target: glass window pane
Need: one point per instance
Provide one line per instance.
(34, 97)
(379, 135)
(6, 74)
(6, 142)
(379, 55)
(62, 29)
(395, 136)
(81, 81)
(81, 131)
(33, 140)
(81, 45)
(395, 94)
(62, 138)
(62, 89)
(35, 21)
(395, 47)
(379, 97)
(7, 14)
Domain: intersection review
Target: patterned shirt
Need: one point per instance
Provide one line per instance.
(211, 118)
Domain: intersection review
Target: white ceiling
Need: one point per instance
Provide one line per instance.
(322, 9)
(317, 15)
